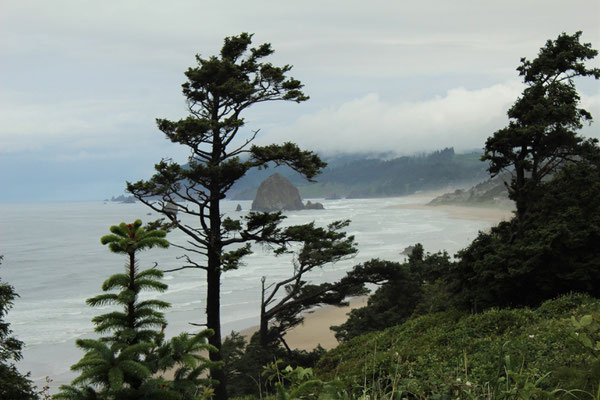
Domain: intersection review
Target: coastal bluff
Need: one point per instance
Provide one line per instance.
(276, 193)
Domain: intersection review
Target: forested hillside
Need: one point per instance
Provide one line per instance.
(359, 176)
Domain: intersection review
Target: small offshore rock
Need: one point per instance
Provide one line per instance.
(313, 206)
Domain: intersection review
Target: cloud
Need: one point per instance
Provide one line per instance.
(461, 118)
(79, 128)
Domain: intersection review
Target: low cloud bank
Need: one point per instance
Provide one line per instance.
(461, 118)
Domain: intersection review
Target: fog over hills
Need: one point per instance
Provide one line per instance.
(376, 175)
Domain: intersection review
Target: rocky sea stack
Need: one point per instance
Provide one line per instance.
(277, 193)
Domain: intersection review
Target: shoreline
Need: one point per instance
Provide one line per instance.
(490, 214)
(42, 359)
(315, 328)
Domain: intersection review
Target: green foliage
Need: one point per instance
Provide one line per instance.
(13, 384)
(542, 132)
(556, 251)
(218, 90)
(243, 363)
(137, 321)
(130, 238)
(402, 291)
(299, 383)
(319, 246)
(128, 362)
(500, 353)
(587, 332)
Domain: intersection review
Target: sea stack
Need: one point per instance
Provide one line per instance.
(276, 193)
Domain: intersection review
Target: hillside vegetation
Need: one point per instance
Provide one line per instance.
(436, 355)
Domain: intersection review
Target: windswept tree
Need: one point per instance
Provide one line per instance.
(129, 360)
(542, 132)
(218, 90)
(403, 289)
(283, 302)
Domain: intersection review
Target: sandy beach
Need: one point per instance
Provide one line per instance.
(315, 329)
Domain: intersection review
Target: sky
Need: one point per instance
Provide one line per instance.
(82, 82)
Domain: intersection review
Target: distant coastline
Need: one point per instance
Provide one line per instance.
(315, 329)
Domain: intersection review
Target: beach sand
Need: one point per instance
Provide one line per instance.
(315, 329)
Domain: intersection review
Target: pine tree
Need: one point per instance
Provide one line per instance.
(218, 90)
(320, 246)
(127, 362)
(542, 133)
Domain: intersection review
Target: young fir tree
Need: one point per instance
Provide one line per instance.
(218, 90)
(127, 363)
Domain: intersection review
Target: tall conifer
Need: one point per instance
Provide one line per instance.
(218, 90)
(542, 132)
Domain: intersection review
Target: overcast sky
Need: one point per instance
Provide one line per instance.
(81, 82)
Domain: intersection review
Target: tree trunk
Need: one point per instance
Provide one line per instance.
(131, 304)
(213, 275)
(213, 317)
(264, 320)
(213, 321)
(520, 191)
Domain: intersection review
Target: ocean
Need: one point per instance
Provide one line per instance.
(54, 259)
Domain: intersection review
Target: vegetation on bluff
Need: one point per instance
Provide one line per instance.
(439, 354)
(441, 349)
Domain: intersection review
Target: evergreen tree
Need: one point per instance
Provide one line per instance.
(13, 384)
(127, 363)
(320, 246)
(542, 132)
(556, 253)
(217, 92)
(402, 290)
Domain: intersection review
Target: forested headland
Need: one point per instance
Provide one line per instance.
(379, 175)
